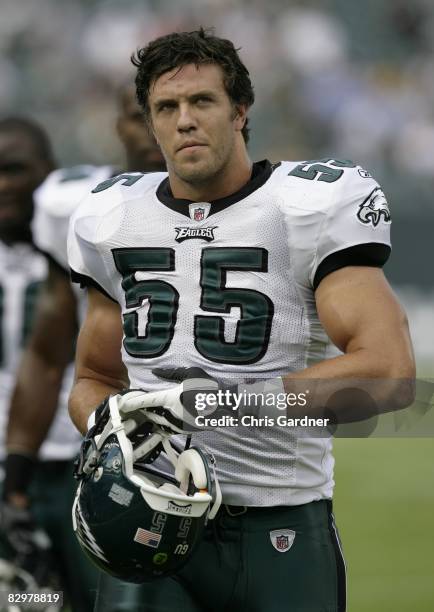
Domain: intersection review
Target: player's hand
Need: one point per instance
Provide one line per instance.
(96, 422)
(18, 529)
(99, 417)
(27, 545)
(173, 409)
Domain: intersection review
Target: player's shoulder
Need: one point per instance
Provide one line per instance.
(106, 204)
(64, 188)
(320, 183)
(129, 185)
(121, 188)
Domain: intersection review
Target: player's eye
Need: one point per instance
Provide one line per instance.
(166, 106)
(203, 100)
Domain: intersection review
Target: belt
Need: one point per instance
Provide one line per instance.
(240, 510)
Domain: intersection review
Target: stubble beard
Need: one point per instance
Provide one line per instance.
(206, 172)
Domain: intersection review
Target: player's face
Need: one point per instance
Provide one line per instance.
(194, 122)
(21, 172)
(143, 152)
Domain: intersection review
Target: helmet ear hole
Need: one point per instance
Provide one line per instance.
(190, 462)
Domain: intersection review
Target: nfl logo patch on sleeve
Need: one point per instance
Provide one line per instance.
(282, 539)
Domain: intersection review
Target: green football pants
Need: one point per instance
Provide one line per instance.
(282, 559)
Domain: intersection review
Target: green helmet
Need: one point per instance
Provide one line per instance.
(135, 521)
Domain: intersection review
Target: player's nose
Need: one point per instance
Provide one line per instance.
(186, 119)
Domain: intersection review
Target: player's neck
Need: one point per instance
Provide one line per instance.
(230, 180)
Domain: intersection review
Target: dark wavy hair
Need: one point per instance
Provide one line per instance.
(198, 47)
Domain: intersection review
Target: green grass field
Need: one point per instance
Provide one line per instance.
(384, 507)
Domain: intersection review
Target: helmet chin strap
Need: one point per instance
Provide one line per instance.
(173, 456)
(118, 429)
(147, 446)
(170, 451)
(218, 492)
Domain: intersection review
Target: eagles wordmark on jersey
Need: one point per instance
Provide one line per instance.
(229, 286)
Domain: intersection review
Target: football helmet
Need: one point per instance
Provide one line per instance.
(135, 520)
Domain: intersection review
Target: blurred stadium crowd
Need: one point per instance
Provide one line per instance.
(333, 75)
(348, 79)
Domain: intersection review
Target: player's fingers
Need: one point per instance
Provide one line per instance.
(179, 374)
(161, 420)
(168, 373)
(132, 401)
(198, 389)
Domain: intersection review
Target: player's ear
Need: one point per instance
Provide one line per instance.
(150, 126)
(240, 116)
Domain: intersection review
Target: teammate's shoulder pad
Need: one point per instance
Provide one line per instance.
(63, 189)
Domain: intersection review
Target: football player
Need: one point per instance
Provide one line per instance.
(26, 159)
(45, 373)
(247, 271)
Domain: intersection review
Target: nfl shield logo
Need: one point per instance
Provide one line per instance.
(282, 542)
(282, 539)
(199, 211)
(199, 214)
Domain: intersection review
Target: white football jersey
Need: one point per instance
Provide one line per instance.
(22, 270)
(55, 200)
(228, 286)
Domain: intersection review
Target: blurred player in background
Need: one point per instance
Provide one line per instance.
(48, 355)
(141, 151)
(51, 560)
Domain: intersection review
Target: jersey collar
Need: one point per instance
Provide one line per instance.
(261, 172)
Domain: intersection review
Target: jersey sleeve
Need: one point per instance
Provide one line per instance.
(55, 201)
(97, 227)
(355, 229)
(86, 261)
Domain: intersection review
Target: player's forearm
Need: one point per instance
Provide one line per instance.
(356, 385)
(86, 395)
(34, 403)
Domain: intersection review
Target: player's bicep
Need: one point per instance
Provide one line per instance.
(359, 311)
(98, 355)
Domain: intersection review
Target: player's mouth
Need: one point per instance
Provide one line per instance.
(191, 145)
